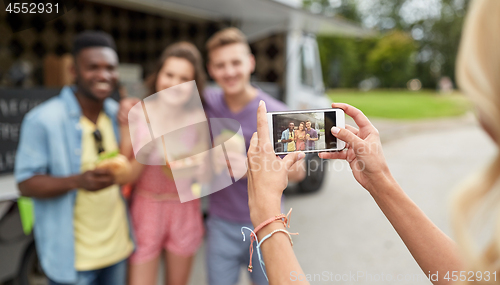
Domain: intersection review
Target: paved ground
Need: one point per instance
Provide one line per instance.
(342, 231)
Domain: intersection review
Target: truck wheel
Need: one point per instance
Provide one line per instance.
(315, 173)
(31, 272)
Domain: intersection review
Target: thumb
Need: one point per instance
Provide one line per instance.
(346, 135)
(293, 157)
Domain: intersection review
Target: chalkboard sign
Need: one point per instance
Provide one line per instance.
(14, 104)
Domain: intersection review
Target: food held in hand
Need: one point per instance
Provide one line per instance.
(117, 163)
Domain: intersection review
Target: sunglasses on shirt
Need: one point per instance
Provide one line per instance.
(98, 140)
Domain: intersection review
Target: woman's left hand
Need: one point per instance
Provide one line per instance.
(267, 174)
(125, 105)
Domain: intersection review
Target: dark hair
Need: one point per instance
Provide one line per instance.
(89, 39)
(184, 50)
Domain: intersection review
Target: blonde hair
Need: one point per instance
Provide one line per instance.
(477, 205)
(225, 37)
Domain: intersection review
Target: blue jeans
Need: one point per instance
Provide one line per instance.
(115, 274)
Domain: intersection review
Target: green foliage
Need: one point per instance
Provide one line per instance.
(347, 61)
(343, 60)
(442, 40)
(402, 104)
(346, 10)
(392, 59)
(338, 61)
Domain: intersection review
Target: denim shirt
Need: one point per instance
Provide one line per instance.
(284, 136)
(50, 143)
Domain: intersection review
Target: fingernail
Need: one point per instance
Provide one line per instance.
(301, 155)
(335, 130)
(261, 102)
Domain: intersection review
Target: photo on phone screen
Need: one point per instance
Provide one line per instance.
(307, 131)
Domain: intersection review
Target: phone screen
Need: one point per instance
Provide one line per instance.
(304, 131)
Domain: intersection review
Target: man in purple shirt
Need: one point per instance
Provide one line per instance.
(230, 65)
(311, 136)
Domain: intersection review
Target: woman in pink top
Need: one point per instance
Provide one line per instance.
(161, 223)
(300, 137)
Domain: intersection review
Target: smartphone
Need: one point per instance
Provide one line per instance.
(307, 130)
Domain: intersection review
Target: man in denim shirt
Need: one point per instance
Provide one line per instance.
(81, 228)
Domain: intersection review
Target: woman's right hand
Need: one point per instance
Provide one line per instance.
(363, 151)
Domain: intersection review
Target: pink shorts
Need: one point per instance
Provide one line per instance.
(173, 226)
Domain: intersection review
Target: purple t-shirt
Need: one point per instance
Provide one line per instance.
(231, 203)
(312, 134)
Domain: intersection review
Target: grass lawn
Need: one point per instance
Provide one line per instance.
(402, 104)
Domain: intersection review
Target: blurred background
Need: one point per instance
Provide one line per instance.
(393, 59)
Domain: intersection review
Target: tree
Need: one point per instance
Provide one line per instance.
(345, 9)
(343, 60)
(438, 47)
(435, 28)
(392, 59)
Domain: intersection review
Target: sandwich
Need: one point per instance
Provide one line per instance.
(117, 163)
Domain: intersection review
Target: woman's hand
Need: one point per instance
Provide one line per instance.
(267, 174)
(363, 151)
(125, 105)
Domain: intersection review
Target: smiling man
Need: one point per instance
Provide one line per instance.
(81, 228)
(288, 138)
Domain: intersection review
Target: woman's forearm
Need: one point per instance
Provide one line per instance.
(135, 171)
(282, 266)
(126, 149)
(433, 250)
(125, 142)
